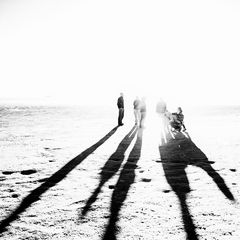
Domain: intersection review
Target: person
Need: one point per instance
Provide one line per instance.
(143, 110)
(136, 110)
(165, 118)
(177, 122)
(120, 104)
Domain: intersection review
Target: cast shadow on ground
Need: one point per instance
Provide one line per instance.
(125, 180)
(110, 168)
(52, 181)
(176, 155)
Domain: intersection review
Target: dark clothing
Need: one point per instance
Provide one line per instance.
(179, 116)
(177, 122)
(120, 102)
(120, 116)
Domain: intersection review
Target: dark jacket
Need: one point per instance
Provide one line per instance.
(120, 102)
(179, 116)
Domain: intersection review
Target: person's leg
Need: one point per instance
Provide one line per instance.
(120, 117)
(140, 120)
(136, 116)
(143, 115)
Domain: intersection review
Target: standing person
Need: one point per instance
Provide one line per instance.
(120, 104)
(136, 106)
(165, 118)
(143, 110)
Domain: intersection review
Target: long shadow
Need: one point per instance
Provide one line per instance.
(176, 155)
(52, 181)
(110, 168)
(126, 179)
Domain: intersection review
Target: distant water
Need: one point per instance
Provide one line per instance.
(32, 133)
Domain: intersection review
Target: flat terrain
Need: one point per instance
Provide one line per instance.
(120, 184)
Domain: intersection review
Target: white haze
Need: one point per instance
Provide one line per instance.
(87, 52)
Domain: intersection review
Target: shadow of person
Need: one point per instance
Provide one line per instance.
(176, 155)
(52, 181)
(110, 168)
(126, 179)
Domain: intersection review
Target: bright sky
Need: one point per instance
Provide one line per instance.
(87, 51)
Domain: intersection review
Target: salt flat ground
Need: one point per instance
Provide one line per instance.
(68, 175)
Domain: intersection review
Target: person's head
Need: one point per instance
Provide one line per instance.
(121, 94)
(179, 110)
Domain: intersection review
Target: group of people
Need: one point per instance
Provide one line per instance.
(139, 109)
(169, 122)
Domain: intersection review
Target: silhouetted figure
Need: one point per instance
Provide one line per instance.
(161, 107)
(165, 118)
(177, 122)
(136, 111)
(120, 104)
(143, 111)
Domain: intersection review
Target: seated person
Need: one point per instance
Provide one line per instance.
(177, 122)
